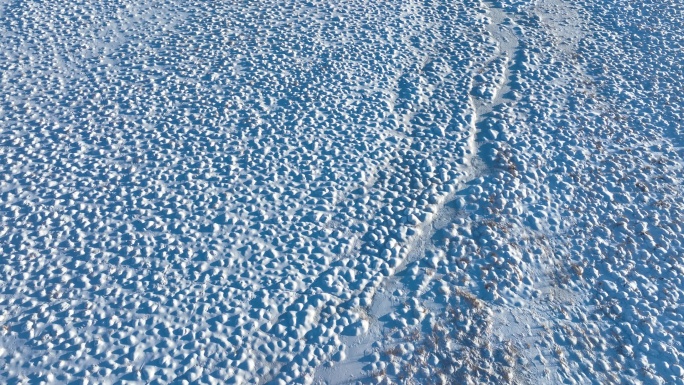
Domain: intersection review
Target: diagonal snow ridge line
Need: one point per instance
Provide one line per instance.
(420, 247)
(507, 43)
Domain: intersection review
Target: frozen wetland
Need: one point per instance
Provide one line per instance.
(342, 192)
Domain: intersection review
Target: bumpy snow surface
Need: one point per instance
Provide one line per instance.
(332, 192)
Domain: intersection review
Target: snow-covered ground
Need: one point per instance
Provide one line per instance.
(334, 192)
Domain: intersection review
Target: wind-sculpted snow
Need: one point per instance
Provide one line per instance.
(297, 192)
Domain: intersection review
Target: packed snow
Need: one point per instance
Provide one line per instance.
(342, 192)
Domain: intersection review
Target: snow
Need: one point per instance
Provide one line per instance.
(341, 192)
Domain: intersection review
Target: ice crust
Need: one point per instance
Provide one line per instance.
(341, 192)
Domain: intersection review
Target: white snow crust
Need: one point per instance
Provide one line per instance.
(341, 192)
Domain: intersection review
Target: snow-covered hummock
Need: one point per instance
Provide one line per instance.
(341, 191)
